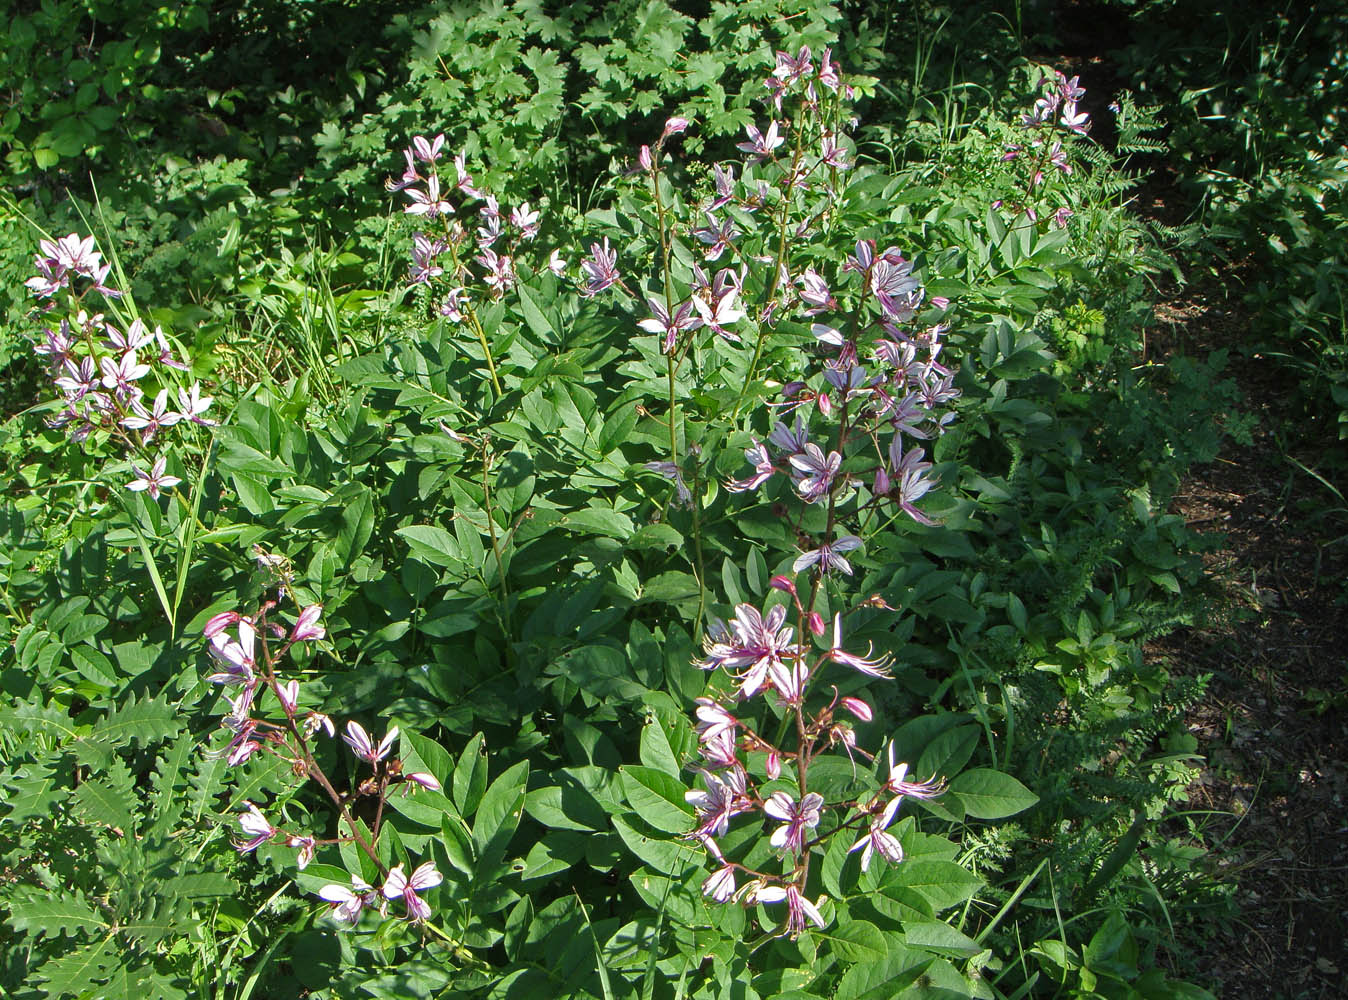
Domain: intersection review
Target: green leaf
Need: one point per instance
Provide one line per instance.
(102, 804)
(499, 813)
(989, 794)
(941, 883)
(435, 545)
(948, 752)
(600, 521)
(534, 317)
(658, 740)
(52, 915)
(241, 459)
(74, 972)
(657, 797)
(470, 776)
(93, 666)
(858, 941)
(670, 855)
(939, 938)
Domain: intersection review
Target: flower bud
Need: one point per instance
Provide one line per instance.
(816, 622)
(644, 158)
(882, 484)
(774, 765)
(825, 404)
(783, 583)
(858, 708)
(675, 126)
(220, 622)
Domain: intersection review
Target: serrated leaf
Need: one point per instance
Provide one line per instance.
(53, 915)
(102, 804)
(74, 972)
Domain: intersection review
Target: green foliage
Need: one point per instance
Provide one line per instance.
(523, 596)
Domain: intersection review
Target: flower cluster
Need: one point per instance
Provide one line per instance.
(247, 651)
(493, 244)
(876, 407)
(758, 652)
(1055, 118)
(120, 382)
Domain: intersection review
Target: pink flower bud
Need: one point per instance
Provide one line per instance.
(783, 583)
(307, 627)
(289, 693)
(675, 126)
(858, 708)
(220, 622)
(882, 484)
(774, 765)
(816, 622)
(825, 404)
(644, 158)
(424, 780)
(940, 301)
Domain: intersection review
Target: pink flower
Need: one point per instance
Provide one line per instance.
(670, 326)
(720, 312)
(815, 472)
(857, 707)
(790, 68)
(828, 73)
(255, 825)
(428, 151)
(713, 720)
(600, 269)
(798, 908)
(878, 667)
(723, 798)
(797, 819)
(757, 454)
(717, 236)
(397, 884)
(191, 404)
(674, 126)
(120, 374)
(218, 623)
(897, 784)
(525, 220)
(153, 481)
(760, 144)
(878, 840)
(829, 556)
(424, 779)
(306, 626)
(428, 202)
(363, 746)
(236, 656)
(348, 903)
(306, 846)
(289, 694)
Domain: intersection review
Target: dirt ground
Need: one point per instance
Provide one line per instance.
(1273, 728)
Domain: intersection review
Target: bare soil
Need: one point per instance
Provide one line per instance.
(1274, 726)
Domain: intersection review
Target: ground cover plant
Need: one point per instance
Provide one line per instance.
(713, 561)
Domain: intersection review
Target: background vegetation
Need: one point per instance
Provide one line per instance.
(231, 159)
